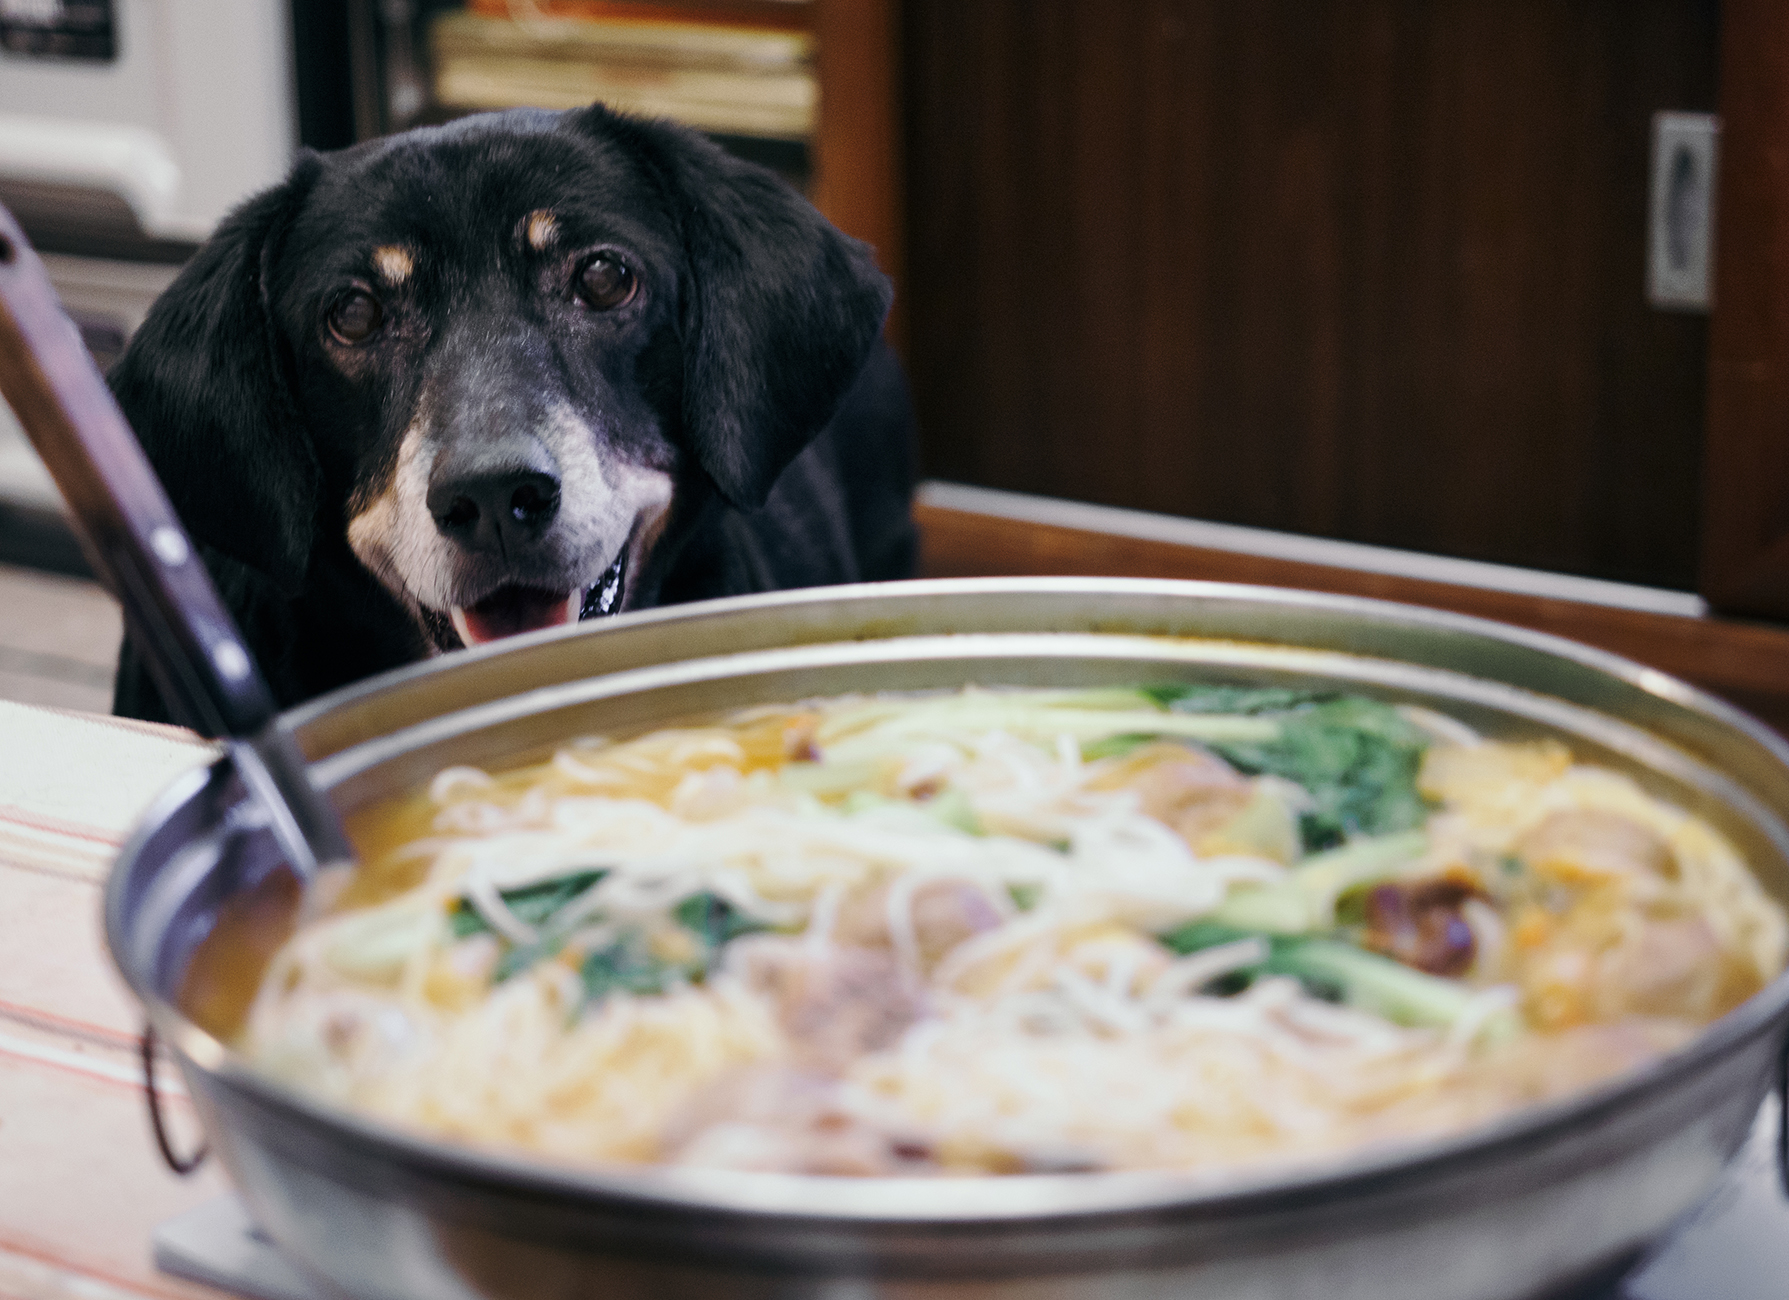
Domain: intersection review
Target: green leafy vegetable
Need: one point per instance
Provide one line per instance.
(861, 738)
(1116, 746)
(1334, 968)
(534, 904)
(714, 920)
(628, 965)
(1244, 700)
(1373, 983)
(1356, 757)
(1325, 877)
(1206, 932)
(953, 808)
(829, 779)
(1281, 908)
(518, 957)
(1305, 900)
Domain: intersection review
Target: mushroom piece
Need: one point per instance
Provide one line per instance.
(1421, 923)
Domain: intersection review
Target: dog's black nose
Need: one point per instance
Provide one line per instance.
(494, 509)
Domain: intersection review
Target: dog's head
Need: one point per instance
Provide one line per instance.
(501, 356)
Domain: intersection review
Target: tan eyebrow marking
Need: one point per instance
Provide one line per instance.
(393, 263)
(543, 226)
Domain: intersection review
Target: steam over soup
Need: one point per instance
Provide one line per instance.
(1008, 931)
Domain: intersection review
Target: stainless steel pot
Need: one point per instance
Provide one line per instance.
(1538, 1201)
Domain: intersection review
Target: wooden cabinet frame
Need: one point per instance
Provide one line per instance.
(857, 148)
(1745, 501)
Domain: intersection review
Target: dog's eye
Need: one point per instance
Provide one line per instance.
(606, 283)
(354, 316)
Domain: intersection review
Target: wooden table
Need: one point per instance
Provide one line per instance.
(81, 1183)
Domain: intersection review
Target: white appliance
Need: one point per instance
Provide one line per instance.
(191, 110)
(108, 300)
(127, 129)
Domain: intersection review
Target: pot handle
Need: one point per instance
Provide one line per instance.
(1783, 1115)
(182, 1165)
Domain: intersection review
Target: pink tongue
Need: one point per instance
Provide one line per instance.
(510, 610)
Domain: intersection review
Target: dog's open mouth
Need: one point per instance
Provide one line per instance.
(512, 609)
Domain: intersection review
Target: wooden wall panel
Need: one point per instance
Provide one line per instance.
(857, 149)
(1366, 269)
(1745, 557)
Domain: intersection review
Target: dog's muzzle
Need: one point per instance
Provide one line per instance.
(506, 509)
(513, 609)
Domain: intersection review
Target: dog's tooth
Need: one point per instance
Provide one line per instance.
(464, 628)
(604, 596)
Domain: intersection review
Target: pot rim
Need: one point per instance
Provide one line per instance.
(1652, 681)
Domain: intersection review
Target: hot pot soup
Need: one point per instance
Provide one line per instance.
(1001, 931)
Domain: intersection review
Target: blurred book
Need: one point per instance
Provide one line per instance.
(786, 15)
(723, 77)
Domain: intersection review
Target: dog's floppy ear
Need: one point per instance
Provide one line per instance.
(203, 383)
(779, 313)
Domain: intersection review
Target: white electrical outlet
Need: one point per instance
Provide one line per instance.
(1680, 242)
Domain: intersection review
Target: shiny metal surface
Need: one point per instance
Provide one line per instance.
(1519, 1208)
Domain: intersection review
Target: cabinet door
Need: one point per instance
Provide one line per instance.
(1745, 504)
(1364, 269)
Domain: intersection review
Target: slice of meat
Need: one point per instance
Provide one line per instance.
(1669, 967)
(1537, 1067)
(779, 1120)
(834, 1002)
(1188, 790)
(942, 914)
(1590, 845)
(1604, 961)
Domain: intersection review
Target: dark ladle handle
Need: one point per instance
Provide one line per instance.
(137, 546)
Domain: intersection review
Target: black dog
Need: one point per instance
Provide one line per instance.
(518, 370)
